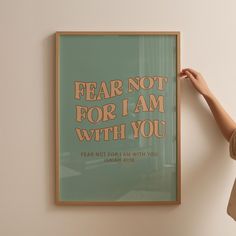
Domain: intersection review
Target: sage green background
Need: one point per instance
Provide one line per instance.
(97, 58)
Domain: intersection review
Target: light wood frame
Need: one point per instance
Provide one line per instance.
(178, 123)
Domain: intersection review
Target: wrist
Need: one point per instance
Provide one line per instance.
(208, 95)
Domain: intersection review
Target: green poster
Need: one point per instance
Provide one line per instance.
(117, 134)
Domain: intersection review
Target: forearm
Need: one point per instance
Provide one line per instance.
(223, 119)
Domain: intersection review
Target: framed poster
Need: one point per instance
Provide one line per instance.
(117, 118)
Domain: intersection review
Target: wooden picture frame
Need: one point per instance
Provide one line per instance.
(118, 118)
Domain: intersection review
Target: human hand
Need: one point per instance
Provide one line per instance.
(197, 81)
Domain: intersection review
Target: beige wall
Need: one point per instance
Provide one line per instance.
(27, 75)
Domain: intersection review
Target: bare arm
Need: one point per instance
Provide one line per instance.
(223, 119)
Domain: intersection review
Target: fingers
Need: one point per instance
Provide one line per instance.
(190, 75)
(182, 75)
(192, 71)
(186, 73)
